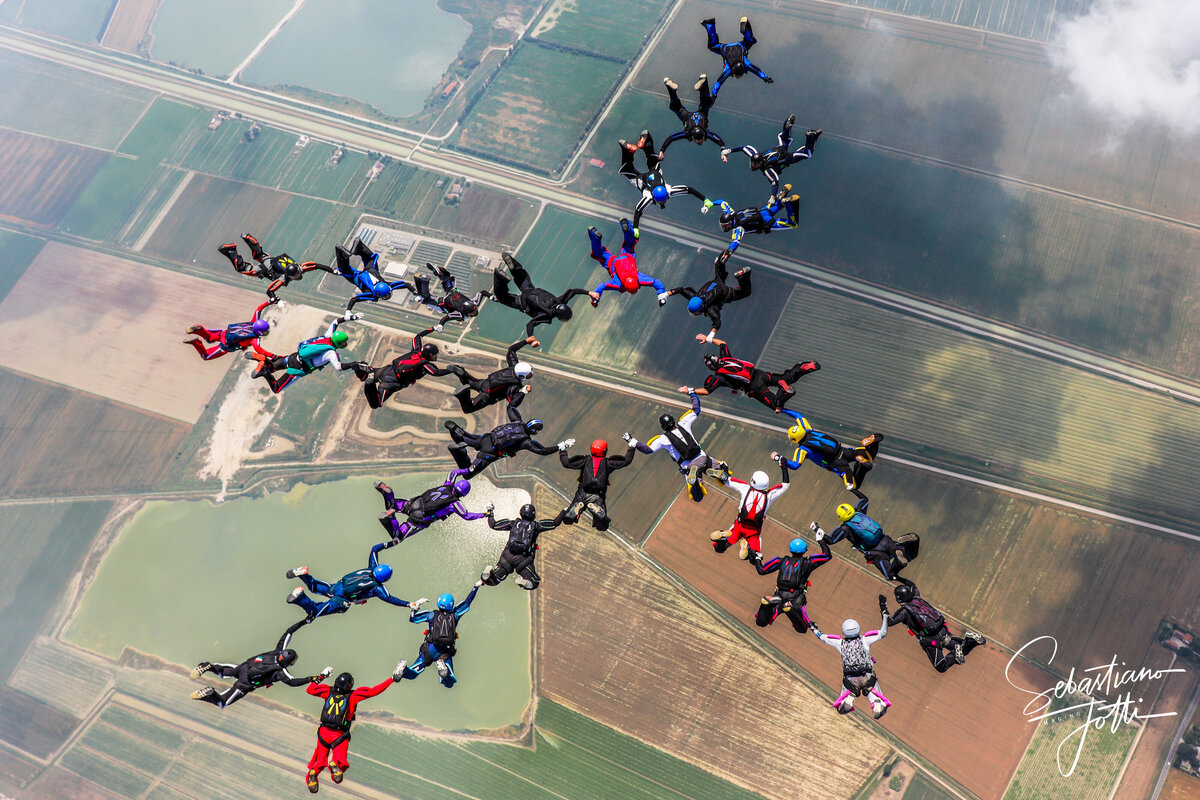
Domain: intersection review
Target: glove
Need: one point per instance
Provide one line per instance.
(775, 457)
(768, 80)
(637, 234)
(820, 535)
(706, 206)
(708, 339)
(415, 605)
(489, 509)
(662, 298)
(325, 673)
(883, 605)
(349, 315)
(478, 584)
(438, 328)
(632, 442)
(565, 443)
(814, 527)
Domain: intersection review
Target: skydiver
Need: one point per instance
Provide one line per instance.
(866, 535)
(680, 443)
(380, 383)
(710, 298)
(759, 220)
(237, 336)
(650, 183)
(773, 389)
(258, 672)
(366, 280)
(436, 503)
(509, 383)
(310, 356)
(858, 668)
(454, 305)
(623, 275)
(929, 626)
(521, 548)
(333, 735)
(502, 441)
(851, 464)
(541, 306)
(439, 647)
(351, 589)
(695, 123)
(592, 493)
(754, 499)
(736, 56)
(772, 162)
(791, 584)
(279, 270)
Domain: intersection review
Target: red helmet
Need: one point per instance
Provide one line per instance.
(625, 268)
(599, 448)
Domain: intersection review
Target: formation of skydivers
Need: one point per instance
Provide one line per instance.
(405, 517)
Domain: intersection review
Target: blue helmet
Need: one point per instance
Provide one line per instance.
(462, 486)
(382, 290)
(798, 547)
(446, 602)
(533, 426)
(695, 304)
(660, 194)
(382, 572)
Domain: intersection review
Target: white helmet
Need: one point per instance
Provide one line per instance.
(522, 369)
(850, 628)
(758, 480)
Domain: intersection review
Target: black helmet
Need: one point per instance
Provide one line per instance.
(697, 134)
(712, 362)
(528, 512)
(904, 593)
(287, 657)
(469, 307)
(343, 683)
(562, 311)
(727, 222)
(666, 422)
(429, 352)
(533, 426)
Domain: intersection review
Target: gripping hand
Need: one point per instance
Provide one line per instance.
(632, 442)
(662, 298)
(706, 206)
(325, 673)
(489, 509)
(883, 605)
(768, 80)
(415, 605)
(565, 443)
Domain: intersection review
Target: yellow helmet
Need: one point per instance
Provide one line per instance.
(796, 433)
(845, 511)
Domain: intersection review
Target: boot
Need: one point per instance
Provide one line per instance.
(310, 781)
(336, 773)
(201, 694)
(710, 21)
(200, 669)
(256, 251)
(296, 572)
(960, 656)
(703, 80)
(342, 256)
(744, 550)
(294, 596)
(670, 84)
(362, 251)
(524, 584)
(382, 487)
(456, 432)
(810, 138)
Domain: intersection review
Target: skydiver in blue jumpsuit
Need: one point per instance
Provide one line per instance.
(352, 588)
(735, 55)
(851, 464)
(367, 280)
(439, 646)
(759, 220)
(866, 535)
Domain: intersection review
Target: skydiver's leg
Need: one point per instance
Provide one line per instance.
(207, 335)
(528, 578)
(315, 585)
(797, 371)
(256, 250)
(627, 170)
(278, 384)
(501, 292)
(714, 44)
(797, 616)
(447, 674)
(521, 277)
(748, 39)
(630, 240)
(706, 97)
(768, 610)
(417, 667)
(597, 506)
(230, 251)
(389, 496)
(743, 284)
(503, 568)
(675, 105)
(341, 262)
(598, 250)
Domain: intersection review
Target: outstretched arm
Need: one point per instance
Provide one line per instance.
(616, 462)
(467, 515)
(465, 605)
(511, 355)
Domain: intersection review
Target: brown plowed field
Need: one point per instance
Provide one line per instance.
(130, 21)
(967, 722)
(40, 178)
(1143, 770)
(115, 329)
(619, 643)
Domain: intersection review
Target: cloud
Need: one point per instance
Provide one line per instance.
(1136, 61)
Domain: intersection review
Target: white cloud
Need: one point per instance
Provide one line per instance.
(1136, 61)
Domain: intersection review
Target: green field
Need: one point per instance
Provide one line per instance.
(98, 769)
(1032, 19)
(1041, 774)
(613, 28)
(922, 788)
(43, 546)
(45, 98)
(405, 193)
(114, 195)
(19, 252)
(272, 159)
(298, 226)
(538, 107)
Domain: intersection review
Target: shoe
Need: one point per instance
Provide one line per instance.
(709, 21)
(810, 138)
(742, 272)
(795, 198)
(296, 572)
(228, 250)
(744, 550)
(382, 487)
(810, 366)
(959, 656)
(592, 229)
(670, 84)
(507, 258)
(200, 694)
(195, 330)
(787, 187)
(398, 672)
(703, 80)
(791, 120)
(717, 536)
(975, 637)
(295, 595)
(200, 669)
(443, 670)
(642, 139)
(336, 773)
(389, 513)
(310, 781)
(626, 145)
(878, 709)
(524, 584)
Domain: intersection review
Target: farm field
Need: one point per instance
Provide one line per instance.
(538, 107)
(44, 544)
(19, 252)
(1153, 749)
(62, 442)
(664, 671)
(486, 214)
(614, 29)
(211, 211)
(926, 711)
(1180, 786)
(129, 24)
(41, 178)
(990, 408)
(1025, 18)
(46, 99)
(110, 303)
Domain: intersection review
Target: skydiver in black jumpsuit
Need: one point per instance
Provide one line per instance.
(503, 441)
(541, 306)
(521, 547)
(772, 162)
(260, 671)
(454, 305)
(791, 584)
(508, 383)
(594, 469)
(929, 626)
(713, 295)
(280, 270)
(651, 183)
(380, 383)
(695, 123)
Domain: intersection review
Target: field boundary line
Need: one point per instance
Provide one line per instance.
(163, 211)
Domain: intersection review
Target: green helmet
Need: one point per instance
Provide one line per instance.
(339, 339)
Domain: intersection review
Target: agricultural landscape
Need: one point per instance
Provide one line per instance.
(983, 279)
